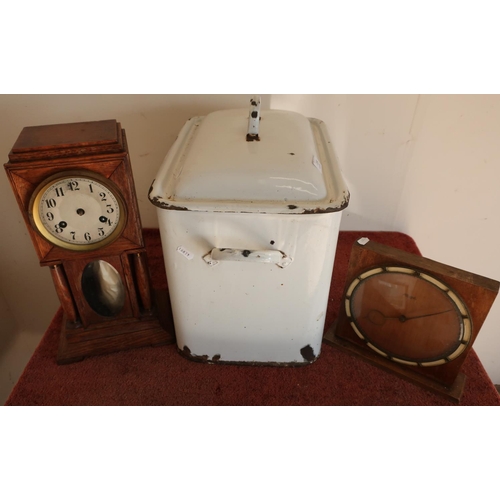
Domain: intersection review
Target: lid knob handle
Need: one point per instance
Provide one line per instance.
(254, 119)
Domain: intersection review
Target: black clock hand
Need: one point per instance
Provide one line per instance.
(378, 318)
(425, 315)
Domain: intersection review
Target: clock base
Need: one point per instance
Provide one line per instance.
(75, 344)
(452, 393)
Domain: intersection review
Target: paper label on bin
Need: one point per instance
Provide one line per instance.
(185, 252)
(317, 163)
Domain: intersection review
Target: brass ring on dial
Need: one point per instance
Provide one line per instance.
(38, 224)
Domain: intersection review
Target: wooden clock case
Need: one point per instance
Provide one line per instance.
(477, 292)
(95, 147)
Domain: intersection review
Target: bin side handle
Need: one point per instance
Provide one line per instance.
(235, 255)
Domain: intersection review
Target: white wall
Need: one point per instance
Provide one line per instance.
(450, 203)
(424, 165)
(428, 166)
(372, 138)
(8, 322)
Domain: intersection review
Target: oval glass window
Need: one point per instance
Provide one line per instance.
(103, 288)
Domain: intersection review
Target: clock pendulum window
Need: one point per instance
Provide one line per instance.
(75, 188)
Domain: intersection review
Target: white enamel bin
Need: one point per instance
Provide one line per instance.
(249, 214)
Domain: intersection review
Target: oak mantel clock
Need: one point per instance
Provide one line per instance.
(412, 316)
(74, 185)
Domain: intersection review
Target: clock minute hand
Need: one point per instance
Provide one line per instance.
(379, 318)
(423, 315)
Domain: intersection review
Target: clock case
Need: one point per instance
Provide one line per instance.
(477, 292)
(96, 147)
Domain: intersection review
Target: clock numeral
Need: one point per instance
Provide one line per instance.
(105, 220)
(87, 237)
(103, 196)
(73, 234)
(50, 216)
(59, 192)
(51, 203)
(100, 231)
(73, 185)
(59, 229)
(110, 209)
(90, 188)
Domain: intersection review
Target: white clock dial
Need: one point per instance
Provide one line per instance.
(78, 212)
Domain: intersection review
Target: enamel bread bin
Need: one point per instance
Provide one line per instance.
(249, 208)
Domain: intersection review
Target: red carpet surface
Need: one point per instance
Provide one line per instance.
(160, 376)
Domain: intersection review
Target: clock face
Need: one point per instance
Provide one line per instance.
(408, 316)
(78, 211)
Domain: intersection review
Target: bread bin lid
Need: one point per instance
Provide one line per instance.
(215, 166)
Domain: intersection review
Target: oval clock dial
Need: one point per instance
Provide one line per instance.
(78, 212)
(408, 316)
